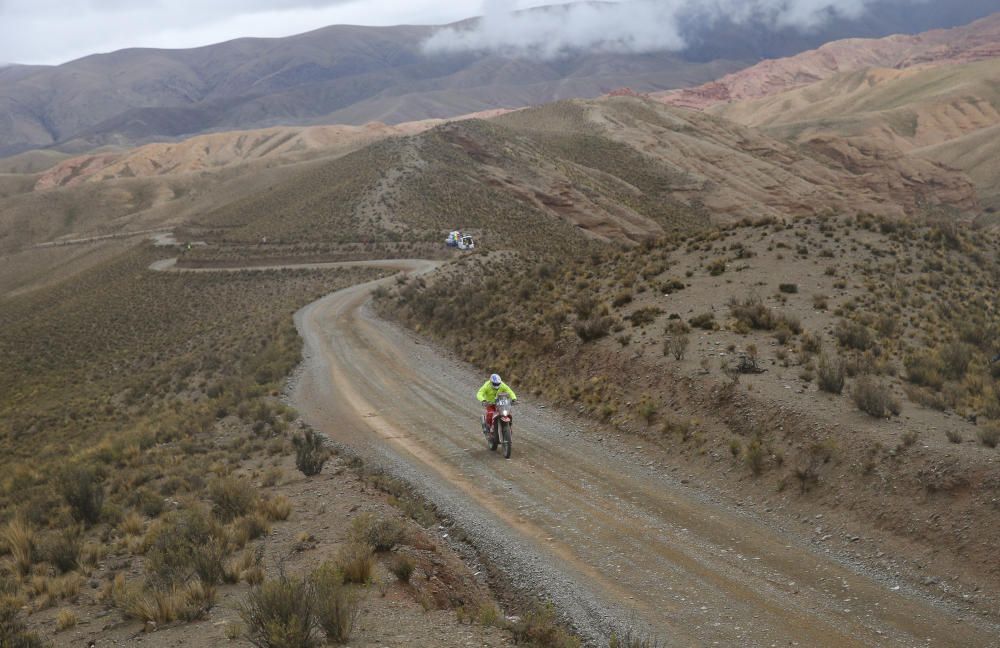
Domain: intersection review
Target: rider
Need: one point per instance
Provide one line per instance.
(488, 393)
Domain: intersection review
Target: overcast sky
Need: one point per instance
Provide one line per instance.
(55, 31)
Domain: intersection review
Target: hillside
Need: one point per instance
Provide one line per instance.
(967, 43)
(944, 113)
(353, 75)
(617, 169)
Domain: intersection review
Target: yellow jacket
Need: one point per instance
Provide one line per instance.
(489, 393)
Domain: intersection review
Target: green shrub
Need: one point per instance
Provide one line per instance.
(955, 358)
(854, 335)
(622, 298)
(704, 321)
(924, 369)
(13, 631)
(539, 627)
(874, 398)
(310, 454)
(593, 328)
(383, 534)
(83, 490)
(402, 567)
(336, 604)
(231, 498)
(62, 549)
(989, 435)
(831, 375)
(644, 316)
(188, 543)
(281, 613)
(356, 562)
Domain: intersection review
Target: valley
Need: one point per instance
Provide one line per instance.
(752, 325)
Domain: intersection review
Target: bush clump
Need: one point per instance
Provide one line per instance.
(336, 604)
(989, 435)
(874, 398)
(231, 498)
(592, 328)
(83, 490)
(540, 628)
(310, 454)
(383, 534)
(281, 613)
(854, 335)
(831, 375)
(188, 543)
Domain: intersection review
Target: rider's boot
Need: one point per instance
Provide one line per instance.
(486, 431)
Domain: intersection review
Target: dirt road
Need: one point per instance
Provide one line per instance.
(587, 521)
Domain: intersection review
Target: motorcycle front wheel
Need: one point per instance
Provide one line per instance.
(505, 439)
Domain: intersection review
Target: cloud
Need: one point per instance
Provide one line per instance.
(634, 26)
(54, 31)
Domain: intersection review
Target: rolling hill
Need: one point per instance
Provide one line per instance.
(353, 75)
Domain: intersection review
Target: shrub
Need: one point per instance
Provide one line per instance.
(755, 457)
(188, 542)
(955, 358)
(19, 538)
(276, 508)
(644, 316)
(716, 267)
(82, 489)
(402, 567)
(13, 631)
(310, 455)
(62, 549)
(989, 435)
(677, 346)
(336, 604)
(280, 613)
(831, 375)
(629, 638)
(540, 628)
(356, 561)
(924, 369)
(953, 436)
(231, 498)
(65, 620)
(593, 328)
(854, 335)
(789, 288)
(621, 299)
(704, 321)
(874, 398)
(381, 533)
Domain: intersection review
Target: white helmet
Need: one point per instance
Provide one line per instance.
(495, 379)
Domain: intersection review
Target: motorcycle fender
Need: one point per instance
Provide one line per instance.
(505, 419)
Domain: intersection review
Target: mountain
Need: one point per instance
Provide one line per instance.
(976, 41)
(353, 75)
(948, 114)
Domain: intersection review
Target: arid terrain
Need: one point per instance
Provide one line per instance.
(753, 339)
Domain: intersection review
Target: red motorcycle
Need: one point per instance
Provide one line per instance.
(500, 432)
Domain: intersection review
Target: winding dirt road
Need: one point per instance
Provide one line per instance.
(587, 522)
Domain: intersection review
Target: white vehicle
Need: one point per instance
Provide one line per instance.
(461, 241)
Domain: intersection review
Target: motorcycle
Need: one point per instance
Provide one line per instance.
(501, 432)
